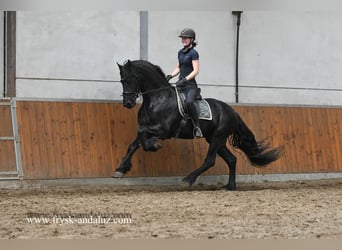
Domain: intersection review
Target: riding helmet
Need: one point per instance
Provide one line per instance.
(187, 32)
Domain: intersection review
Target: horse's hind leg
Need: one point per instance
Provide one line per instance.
(208, 162)
(230, 159)
(126, 164)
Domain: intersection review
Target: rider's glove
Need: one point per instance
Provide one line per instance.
(181, 81)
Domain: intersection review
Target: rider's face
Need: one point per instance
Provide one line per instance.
(186, 41)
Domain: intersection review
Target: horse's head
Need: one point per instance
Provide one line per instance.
(130, 84)
(140, 77)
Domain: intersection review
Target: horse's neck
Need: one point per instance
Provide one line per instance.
(157, 107)
(151, 85)
(160, 96)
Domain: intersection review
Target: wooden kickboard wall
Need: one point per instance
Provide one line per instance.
(89, 139)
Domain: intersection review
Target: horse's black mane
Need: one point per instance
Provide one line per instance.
(145, 65)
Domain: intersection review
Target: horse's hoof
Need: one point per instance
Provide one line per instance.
(184, 184)
(157, 146)
(230, 187)
(118, 175)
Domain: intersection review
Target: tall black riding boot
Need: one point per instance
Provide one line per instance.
(194, 115)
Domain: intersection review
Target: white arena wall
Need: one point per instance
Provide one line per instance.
(286, 57)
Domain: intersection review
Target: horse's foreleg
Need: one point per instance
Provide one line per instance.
(151, 144)
(149, 137)
(126, 164)
(208, 162)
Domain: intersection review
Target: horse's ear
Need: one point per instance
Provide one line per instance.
(128, 64)
(120, 66)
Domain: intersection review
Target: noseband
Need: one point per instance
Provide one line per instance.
(133, 94)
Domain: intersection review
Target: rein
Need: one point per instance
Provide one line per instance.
(154, 90)
(140, 93)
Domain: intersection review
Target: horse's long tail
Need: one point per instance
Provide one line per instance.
(258, 152)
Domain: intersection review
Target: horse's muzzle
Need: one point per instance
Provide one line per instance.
(129, 99)
(129, 104)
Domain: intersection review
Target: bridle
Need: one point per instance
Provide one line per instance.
(134, 95)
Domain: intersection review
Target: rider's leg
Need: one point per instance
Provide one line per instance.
(189, 102)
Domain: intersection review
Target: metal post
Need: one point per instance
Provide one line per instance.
(238, 22)
(16, 138)
(143, 35)
(10, 54)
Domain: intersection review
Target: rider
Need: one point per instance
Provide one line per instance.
(188, 68)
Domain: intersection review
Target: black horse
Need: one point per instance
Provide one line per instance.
(159, 118)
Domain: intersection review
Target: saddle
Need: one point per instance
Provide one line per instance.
(202, 106)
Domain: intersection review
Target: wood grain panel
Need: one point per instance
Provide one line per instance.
(87, 139)
(5, 121)
(7, 154)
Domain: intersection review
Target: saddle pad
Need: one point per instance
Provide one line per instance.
(203, 108)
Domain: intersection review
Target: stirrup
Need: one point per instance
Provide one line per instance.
(197, 132)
